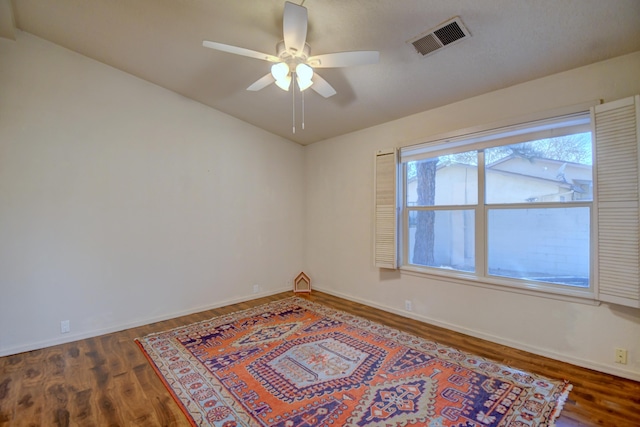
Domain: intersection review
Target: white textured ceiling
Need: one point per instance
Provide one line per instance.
(161, 41)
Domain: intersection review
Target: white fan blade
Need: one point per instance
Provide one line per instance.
(262, 83)
(321, 86)
(240, 51)
(344, 59)
(294, 27)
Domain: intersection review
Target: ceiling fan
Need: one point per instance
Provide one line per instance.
(292, 61)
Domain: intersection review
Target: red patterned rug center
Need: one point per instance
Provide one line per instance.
(294, 363)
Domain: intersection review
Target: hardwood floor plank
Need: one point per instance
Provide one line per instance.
(107, 381)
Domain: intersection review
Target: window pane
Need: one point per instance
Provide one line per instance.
(547, 170)
(442, 239)
(548, 245)
(443, 181)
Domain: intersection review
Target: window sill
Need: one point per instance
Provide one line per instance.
(524, 288)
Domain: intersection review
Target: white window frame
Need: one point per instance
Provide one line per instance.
(615, 223)
(579, 121)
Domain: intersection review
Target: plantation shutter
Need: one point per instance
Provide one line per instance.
(617, 174)
(385, 244)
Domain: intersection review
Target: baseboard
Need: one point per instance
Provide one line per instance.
(123, 326)
(624, 373)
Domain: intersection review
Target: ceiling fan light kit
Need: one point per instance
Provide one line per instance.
(293, 58)
(284, 83)
(280, 73)
(304, 74)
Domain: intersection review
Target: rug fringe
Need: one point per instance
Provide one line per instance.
(564, 394)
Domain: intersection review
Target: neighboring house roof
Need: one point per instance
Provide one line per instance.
(545, 159)
(558, 165)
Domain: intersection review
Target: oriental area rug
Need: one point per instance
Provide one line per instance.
(296, 363)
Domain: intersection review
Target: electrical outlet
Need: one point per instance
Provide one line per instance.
(408, 305)
(621, 356)
(65, 327)
(256, 289)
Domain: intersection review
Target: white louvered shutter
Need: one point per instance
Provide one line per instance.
(617, 174)
(385, 243)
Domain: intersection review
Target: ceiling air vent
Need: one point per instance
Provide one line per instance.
(445, 34)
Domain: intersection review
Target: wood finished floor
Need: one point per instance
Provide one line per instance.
(106, 380)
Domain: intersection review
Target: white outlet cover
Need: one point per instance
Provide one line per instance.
(65, 327)
(621, 356)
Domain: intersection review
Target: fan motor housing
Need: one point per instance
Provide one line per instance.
(286, 56)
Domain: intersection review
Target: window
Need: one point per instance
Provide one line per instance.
(545, 206)
(511, 206)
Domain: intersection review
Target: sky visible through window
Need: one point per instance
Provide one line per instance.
(574, 148)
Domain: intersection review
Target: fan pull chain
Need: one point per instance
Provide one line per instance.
(293, 100)
(302, 110)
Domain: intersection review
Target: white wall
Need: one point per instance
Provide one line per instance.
(339, 212)
(122, 203)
